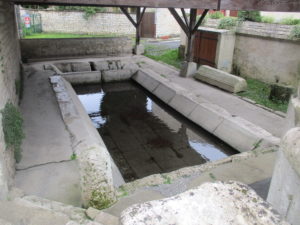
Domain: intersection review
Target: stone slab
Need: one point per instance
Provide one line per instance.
(221, 79)
(211, 203)
(83, 77)
(116, 75)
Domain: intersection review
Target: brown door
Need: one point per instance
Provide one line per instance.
(205, 47)
(148, 27)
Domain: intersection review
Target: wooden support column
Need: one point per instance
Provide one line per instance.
(137, 23)
(189, 27)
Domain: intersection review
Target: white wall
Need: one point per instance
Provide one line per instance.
(166, 25)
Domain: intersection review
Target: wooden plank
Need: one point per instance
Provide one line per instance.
(207, 4)
(262, 5)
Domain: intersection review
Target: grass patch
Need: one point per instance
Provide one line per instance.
(259, 92)
(66, 35)
(169, 57)
(12, 123)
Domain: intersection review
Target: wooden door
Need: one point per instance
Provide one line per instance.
(148, 26)
(205, 48)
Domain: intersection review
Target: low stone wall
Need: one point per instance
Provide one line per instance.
(265, 52)
(95, 164)
(41, 49)
(9, 76)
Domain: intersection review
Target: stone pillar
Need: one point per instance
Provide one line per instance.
(284, 193)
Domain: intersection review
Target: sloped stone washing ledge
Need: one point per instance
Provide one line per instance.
(98, 172)
(237, 132)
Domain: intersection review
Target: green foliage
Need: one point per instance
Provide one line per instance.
(100, 200)
(259, 92)
(35, 6)
(216, 15)
(73, 156)
(12, 123)
(66, 35)
(89, 11)
(249, 16)
(227, 23)
(290, 21)
(167, 180)
(169, 56)
(295, 32)
(267, 19)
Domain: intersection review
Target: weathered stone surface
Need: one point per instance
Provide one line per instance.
(185, 102)
(221, 79)
(211, 203)
(166, 91)
(9, 76)
(143, 78)
(83, 77)
(64, 67)
(107, 219)
(208, 115)
(247, 136)
(95, 163)
(290, 146)
(92, 212)
(139, 49)
(284, 192)
(75, 47)
(80, 67)
(101, 65)
(116, 75)
(188, 69)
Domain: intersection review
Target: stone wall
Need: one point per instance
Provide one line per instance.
(111, 23)
(265, 52)
(36, 49)
(74, 22)
(9, 73)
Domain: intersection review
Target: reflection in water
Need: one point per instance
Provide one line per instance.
(145, 136)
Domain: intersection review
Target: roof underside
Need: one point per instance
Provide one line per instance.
(262, 5)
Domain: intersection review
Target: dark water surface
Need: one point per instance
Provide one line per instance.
(143, 135)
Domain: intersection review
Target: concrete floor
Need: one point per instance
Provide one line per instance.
(45, 169)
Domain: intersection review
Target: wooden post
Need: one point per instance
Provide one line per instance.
(189, 27)
(192, 22)
(138, 27)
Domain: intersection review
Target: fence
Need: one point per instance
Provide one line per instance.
(31, 24)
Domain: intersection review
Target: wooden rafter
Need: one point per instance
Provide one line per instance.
(262, 5)
(139, 19)
(187, 26)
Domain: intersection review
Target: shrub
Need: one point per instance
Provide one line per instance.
(267, 19)
(89, 11)
(12, 124)
(249, 16)
(227, 23)
(295, 32)
(216, 15)
(290, 21)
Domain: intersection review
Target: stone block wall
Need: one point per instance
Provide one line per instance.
(37, 49)
(9, 73)
(74, 22)
(265, 52)
(111, 23)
